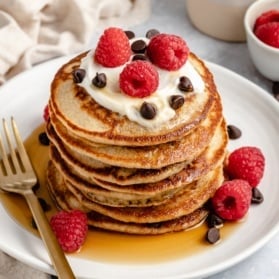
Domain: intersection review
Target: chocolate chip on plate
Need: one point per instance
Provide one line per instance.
(213, 235)
(130, 34)
(185, 84)
(151, 33)
(78, 75)
(234, 132)
(147, 110)
(43, 138)
(100, 80)
(45, 206)
(214, 220)
(176, 101)
(139, 57)
(257, 196)
(138, 46)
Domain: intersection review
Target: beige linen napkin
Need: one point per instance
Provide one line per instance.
(35, 31)
(32, 31)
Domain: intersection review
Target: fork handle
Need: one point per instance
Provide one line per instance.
(55, 252)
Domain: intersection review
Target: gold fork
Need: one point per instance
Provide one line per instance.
(18, 176)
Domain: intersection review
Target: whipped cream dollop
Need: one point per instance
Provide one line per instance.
(113, 99)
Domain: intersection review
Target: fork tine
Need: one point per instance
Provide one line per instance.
(5, 159)
(20, 147)
(13, 156)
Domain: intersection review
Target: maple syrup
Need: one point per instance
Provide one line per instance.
(109, 246)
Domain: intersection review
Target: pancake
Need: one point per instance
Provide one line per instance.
(213, 156)
(66, 200)
(97, 220)
(148, 157)
(84, 117)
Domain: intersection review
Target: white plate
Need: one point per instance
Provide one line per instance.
(245, 105)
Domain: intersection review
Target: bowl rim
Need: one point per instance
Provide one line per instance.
(249, 27)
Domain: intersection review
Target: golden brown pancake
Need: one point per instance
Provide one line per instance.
(148, 157)
(86, 119)
(66, 201)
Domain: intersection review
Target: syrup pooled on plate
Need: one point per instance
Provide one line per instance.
(103, 245)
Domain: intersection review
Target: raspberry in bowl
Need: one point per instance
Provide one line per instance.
(261, 23)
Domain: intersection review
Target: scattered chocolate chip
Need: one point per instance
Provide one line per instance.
(151, 33)
(214, 220)
(147, 110)
(139, 57)
(78, 75)
(100, 80)
(213, 235)
(130, 34)
(185, 84)
(45, 206)
(43, 138)
(234, 132)
(257, 196)
(138, 46)
(176, 101)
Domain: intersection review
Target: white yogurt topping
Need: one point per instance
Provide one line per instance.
(113, 99)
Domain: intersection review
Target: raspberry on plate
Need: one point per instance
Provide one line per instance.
(168, 52)
(232, 200)
(113, 48)
(269, 33)
(139, 79)
(70, 228)
(266, 17)
(247, 163)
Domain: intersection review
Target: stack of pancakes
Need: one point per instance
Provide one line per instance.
(129, 178)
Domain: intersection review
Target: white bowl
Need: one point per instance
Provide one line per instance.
(264, 57)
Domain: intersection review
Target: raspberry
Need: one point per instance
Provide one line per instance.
(269, 33)
(269, 16)
(113, 48)
(46, 113)
(70, 228)
(246, 163)
(139, 79)
(168, 52)
(232, 200)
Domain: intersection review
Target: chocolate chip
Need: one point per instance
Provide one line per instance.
(257, 196)
(147, 110)
(78, 75)
(43, 138)
(234, 132)
(214, 220)
(138, 46)
(151, 33)
(45, 206)
(130, 34)
(185, 84)
(139, 57)
(275, 90)
(100, 80)
(176, 101)
(213, 235)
